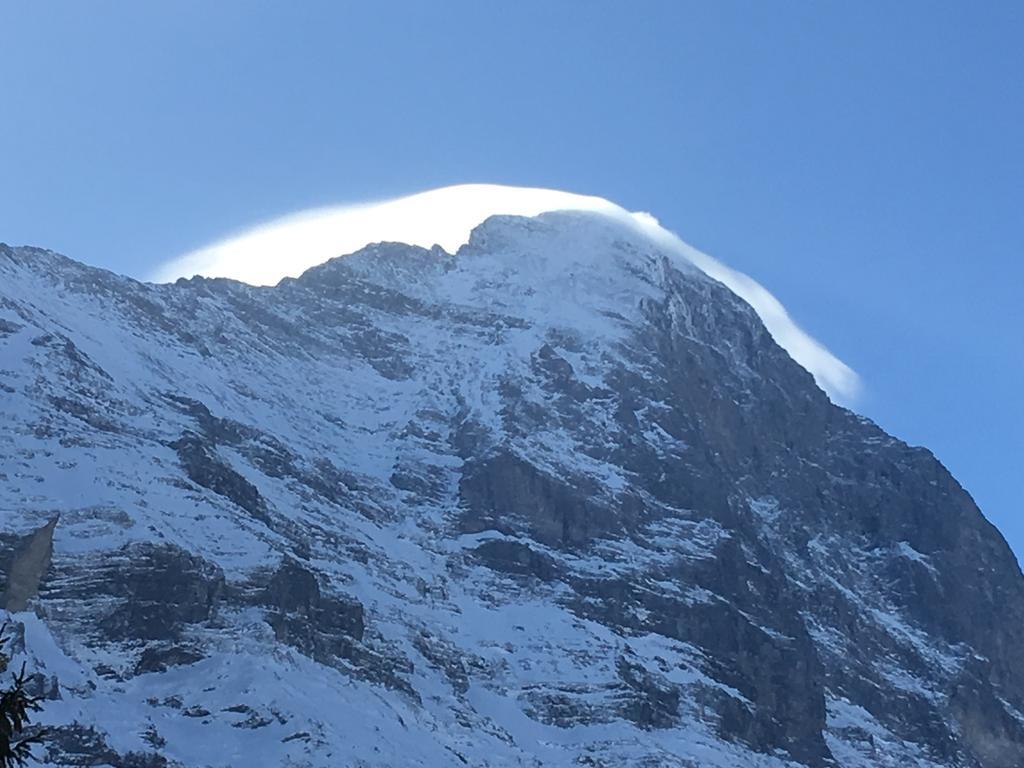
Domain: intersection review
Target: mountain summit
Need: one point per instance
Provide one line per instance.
(288, 246)
(556, 499)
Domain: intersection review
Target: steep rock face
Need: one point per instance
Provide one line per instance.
(557, 499)
(28, 564)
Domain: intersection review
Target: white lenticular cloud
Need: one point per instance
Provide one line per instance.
(288, 246)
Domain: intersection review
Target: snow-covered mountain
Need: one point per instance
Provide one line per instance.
(557, 499)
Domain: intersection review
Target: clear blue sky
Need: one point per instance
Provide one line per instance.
(863, 160)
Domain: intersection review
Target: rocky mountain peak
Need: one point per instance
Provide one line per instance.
(557, 498)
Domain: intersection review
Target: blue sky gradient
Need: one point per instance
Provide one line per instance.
(864, 161)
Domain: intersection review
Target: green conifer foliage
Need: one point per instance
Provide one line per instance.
(16, 736)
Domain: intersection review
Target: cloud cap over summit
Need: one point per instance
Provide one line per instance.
(287, 246)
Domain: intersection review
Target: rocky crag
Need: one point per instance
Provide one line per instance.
(556, 499)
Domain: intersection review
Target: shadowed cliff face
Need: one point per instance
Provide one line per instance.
(557, 499)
